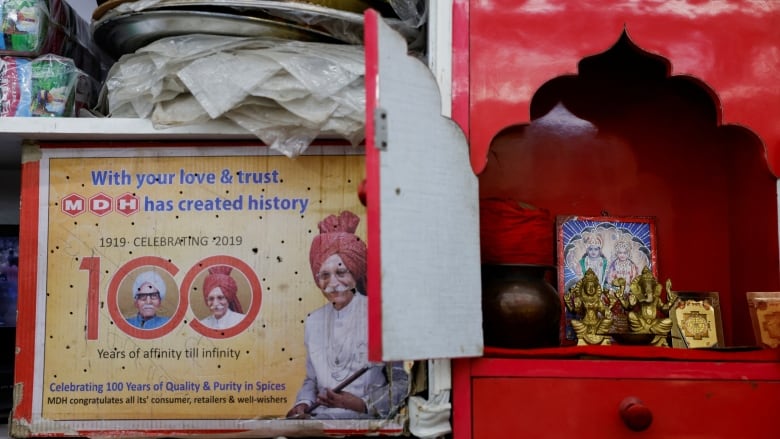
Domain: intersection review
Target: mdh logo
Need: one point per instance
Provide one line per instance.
(100, 204)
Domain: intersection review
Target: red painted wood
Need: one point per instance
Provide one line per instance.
(564, 380)
(706, 192)
(26, 319)
(589, 408)
(374, 272)
(515, 47)
(636, 352)
(461, 398)
(716, 208)
(460, 64)
(625, 369)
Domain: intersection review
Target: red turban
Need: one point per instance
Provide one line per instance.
(337, 237)
(219, 276)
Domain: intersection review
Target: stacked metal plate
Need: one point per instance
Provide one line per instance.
(122, 26)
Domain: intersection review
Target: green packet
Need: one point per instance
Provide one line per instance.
(24, 24)
(53, 86)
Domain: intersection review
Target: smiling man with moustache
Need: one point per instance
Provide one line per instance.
(220, 293)
(336, 334)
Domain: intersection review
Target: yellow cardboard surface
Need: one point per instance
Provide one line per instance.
(110, 217)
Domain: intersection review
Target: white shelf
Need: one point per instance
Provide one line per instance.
(14, 130)
(84, 128)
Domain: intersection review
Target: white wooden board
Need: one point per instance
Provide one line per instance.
(429, 215)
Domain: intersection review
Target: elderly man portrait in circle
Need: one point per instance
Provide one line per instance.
(220, 294)
(148, 295)
(336, 335)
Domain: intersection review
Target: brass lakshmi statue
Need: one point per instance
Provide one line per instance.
(585, 300)
(648, 314)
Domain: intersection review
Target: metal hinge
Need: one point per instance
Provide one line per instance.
(380, 129)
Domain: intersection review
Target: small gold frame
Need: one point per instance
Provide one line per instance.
(696, 320)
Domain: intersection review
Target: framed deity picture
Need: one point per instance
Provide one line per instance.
(696, 320)
(616, 249)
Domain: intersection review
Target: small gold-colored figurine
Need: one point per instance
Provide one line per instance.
(647, 313)
(585, 300)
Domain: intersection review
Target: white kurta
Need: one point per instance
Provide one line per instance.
(336, 347)
(230, 319)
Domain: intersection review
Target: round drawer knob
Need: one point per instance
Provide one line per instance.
(635, 414)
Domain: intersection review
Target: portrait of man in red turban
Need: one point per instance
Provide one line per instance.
(336, 334)
(221, 295)
(337, 238)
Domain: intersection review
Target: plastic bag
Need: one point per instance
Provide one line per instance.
(47, 86)
(287, 93)
(33, 28)
(24, 24)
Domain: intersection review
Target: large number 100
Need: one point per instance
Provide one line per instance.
(92, 266)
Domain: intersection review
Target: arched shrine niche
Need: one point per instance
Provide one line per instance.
(624, 137)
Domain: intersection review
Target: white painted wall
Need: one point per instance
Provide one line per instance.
(83, 7)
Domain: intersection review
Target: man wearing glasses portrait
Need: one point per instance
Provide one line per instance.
(148, 295)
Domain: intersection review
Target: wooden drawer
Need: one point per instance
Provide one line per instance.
(587, 407)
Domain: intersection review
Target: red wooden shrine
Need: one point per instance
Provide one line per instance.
(635, 108)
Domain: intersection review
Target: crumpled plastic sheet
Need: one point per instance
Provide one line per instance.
(287, 93)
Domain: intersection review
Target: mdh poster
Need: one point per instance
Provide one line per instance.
(139, 236)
